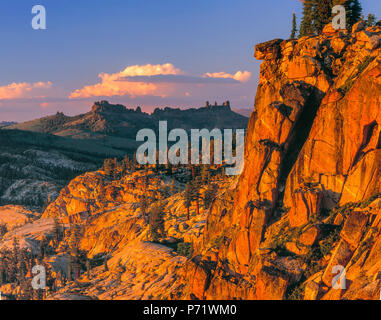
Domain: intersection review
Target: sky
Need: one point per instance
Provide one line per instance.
(148, 53)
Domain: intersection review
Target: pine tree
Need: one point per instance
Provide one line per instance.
(144, 204)
(322, 15)
(306, 26)
(196, 184)
(108, 167)
(354, 10)
(15, 258)
(371, 20)
(294, 29)
(43, 246)
(173, 189)
(57, 231)
(156, 221)
(120, 269)
(3, 230)
(75, 238)
(135, 162)
(318, 13)
(126, 165)
(209, 195)
(188, 196)
(75, 253)
(205, 174)
(169, 168)
(116, 168)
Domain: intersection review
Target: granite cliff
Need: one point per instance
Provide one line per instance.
(309, 197)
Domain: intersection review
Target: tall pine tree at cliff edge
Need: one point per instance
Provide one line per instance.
(318, 13)
(294, 27)
(354, 13)
(322, 15)
(306, 26)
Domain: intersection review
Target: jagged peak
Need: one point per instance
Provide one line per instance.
(105, 106)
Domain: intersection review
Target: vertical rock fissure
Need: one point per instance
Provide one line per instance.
(295, 142)
(367, 136)
(269, 152)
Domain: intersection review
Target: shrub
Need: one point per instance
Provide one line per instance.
(295, 293)
(352, 79)
(328, 243)
(185, 249)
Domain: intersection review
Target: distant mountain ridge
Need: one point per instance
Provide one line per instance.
(116, 120)
(244, 112)
(7, 123)
(39, 157)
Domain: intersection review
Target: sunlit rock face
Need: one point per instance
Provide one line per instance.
(308, 200)
(313, 144)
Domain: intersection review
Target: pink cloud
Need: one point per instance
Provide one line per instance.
(241, 76)
(22, 90)
(111, 84)
(152, 80)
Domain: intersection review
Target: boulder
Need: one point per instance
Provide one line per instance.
(354, 228)
(311, 291)
(268, 50)
(309, 237)
(373, 43)
(329, 30)
(340, 257)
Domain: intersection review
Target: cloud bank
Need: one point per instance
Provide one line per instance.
(152, 80)
(111, 85)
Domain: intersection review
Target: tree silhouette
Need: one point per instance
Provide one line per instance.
(144, 204)
(371, 20)
(156, 221)
(209, 195)
(188, 197)
(322, 15)
(294, 29)
(354, 10)
(318, 13)
(306, 25)
(196, 185)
